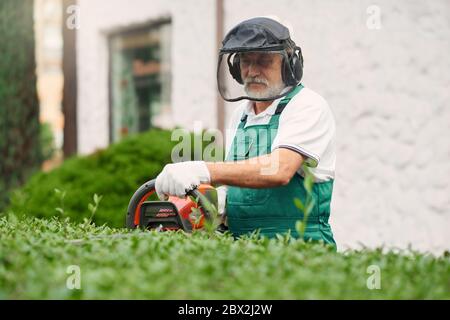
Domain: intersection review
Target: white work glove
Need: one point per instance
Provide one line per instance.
(177, 179)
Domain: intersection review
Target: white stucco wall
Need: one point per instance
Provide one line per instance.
(388, 88)
(194, 50)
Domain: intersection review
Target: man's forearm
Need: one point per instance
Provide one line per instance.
(242, 174)
(266, 171)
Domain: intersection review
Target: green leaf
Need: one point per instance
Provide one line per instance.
(309, 208)
(299, 204)
(308, 183)
(300, 227)
(309, 179)
(97, 199)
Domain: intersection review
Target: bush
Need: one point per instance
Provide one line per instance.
(115, 173)
(121, 264)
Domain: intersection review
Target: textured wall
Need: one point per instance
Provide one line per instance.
(193, 51)
(387, 87)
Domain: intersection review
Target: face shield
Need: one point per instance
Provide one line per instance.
(253, 75)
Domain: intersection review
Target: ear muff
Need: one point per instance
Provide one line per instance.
(235, 68)
(293, 68)
(292, 72)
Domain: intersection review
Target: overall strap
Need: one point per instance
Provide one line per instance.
(243, 121)
(283, 103)
(280, 107)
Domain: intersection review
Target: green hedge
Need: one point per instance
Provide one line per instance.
(118, 264)
(115, 173)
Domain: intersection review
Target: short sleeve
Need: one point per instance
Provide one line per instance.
(306, 126)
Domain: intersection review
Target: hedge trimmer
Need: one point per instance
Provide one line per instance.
(146, 211)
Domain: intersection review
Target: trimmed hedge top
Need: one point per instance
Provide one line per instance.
(124, 264)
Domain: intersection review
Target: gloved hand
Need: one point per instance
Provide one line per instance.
(177, 179)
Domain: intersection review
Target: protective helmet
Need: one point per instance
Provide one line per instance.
(258, 61)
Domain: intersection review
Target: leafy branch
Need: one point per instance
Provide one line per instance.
(309, 203)
(93, 207)
(61, 194)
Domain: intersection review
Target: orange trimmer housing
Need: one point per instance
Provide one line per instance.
(180, 217)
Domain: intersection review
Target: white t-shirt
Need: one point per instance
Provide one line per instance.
(306, 126)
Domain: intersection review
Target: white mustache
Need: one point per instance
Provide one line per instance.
(256, 80)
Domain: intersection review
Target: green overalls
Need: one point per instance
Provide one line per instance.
(272, 210)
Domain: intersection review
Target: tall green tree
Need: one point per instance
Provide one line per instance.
(19, 109)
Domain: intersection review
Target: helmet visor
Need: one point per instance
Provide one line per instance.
(252, 75)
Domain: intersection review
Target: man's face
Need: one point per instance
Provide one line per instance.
(261, 73)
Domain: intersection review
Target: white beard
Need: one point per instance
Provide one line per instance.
(271, 91)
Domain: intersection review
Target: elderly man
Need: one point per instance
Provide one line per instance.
(280, 125)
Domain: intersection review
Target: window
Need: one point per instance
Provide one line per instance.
(139, 79)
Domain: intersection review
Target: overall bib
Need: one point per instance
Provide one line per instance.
(272, 210)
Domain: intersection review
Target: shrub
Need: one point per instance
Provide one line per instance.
(123, 264)
(115, 173)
